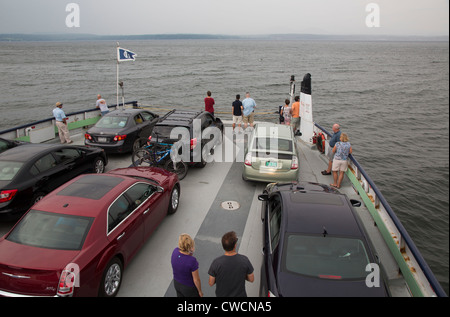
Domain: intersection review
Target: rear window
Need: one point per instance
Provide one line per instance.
(91, 186)
(8, 170)
(164, 131)
(112, 122)
(325, 257)
(51, 231)
(316, 198)
(272, 144)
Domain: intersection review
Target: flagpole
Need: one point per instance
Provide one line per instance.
(122, 55)
(117, 82)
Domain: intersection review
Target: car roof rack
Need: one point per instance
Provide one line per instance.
(181, 116)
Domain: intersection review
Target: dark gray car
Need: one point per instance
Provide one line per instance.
(120, 131)
(30, 171)
(314, 244)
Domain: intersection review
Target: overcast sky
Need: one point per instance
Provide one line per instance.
(232, 17)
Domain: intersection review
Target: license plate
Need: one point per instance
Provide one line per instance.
(102, 140)
(271, 164)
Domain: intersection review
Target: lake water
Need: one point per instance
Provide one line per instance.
(392, 98)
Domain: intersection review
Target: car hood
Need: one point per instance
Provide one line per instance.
(292, 285)
(159, 175)
(30, 270)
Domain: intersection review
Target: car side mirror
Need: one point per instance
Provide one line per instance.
(263, 197)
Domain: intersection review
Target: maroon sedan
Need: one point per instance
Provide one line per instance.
(78, 239)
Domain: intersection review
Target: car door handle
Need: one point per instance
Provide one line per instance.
(120, 237)
(145, 212)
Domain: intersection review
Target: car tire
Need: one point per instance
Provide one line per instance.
(111, 279)
(180, 168)
(37, 197)
(138, 143)
(174, 200)
(202, 163)
(99, 166)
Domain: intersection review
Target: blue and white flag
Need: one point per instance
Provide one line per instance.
(125, 55)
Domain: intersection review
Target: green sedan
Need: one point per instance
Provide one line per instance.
(271, 155)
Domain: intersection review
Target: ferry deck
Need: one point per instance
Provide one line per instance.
(201, 215)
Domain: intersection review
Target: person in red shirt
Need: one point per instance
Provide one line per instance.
(209, 103)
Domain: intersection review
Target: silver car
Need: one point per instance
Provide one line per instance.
(271, 154)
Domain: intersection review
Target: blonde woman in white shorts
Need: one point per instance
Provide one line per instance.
(341, 152)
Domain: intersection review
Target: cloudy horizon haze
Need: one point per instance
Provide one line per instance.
(230, 17)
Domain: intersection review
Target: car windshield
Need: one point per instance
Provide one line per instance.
(51, 231)
(112, 122)
(9, 169)
(325, 257)
(272, 144)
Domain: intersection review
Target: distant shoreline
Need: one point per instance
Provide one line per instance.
(297, 37)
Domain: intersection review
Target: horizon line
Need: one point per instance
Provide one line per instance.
(86, 36)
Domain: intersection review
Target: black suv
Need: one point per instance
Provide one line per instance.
(197, 132)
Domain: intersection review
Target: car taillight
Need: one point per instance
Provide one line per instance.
(248, 159)
(193, 143)
(87, 136)
(120, 137)
(294, 164)
(7, 195)
(66, 283)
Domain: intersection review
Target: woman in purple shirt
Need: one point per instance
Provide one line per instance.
(185, 269)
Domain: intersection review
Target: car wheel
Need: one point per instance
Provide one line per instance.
(138, 143)
(174, 200)
(180, 168)
(99, 166)
(112, 278)
(38, 196)
(202, 163)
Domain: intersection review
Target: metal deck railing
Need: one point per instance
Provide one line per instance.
(418, 275)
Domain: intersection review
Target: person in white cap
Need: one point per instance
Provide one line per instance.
(61, 123)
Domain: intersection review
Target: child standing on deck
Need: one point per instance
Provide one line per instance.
(286, 112)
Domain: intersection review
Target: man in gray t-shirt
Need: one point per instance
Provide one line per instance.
(230, 271)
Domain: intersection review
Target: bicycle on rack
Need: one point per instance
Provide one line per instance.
(159, 154)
